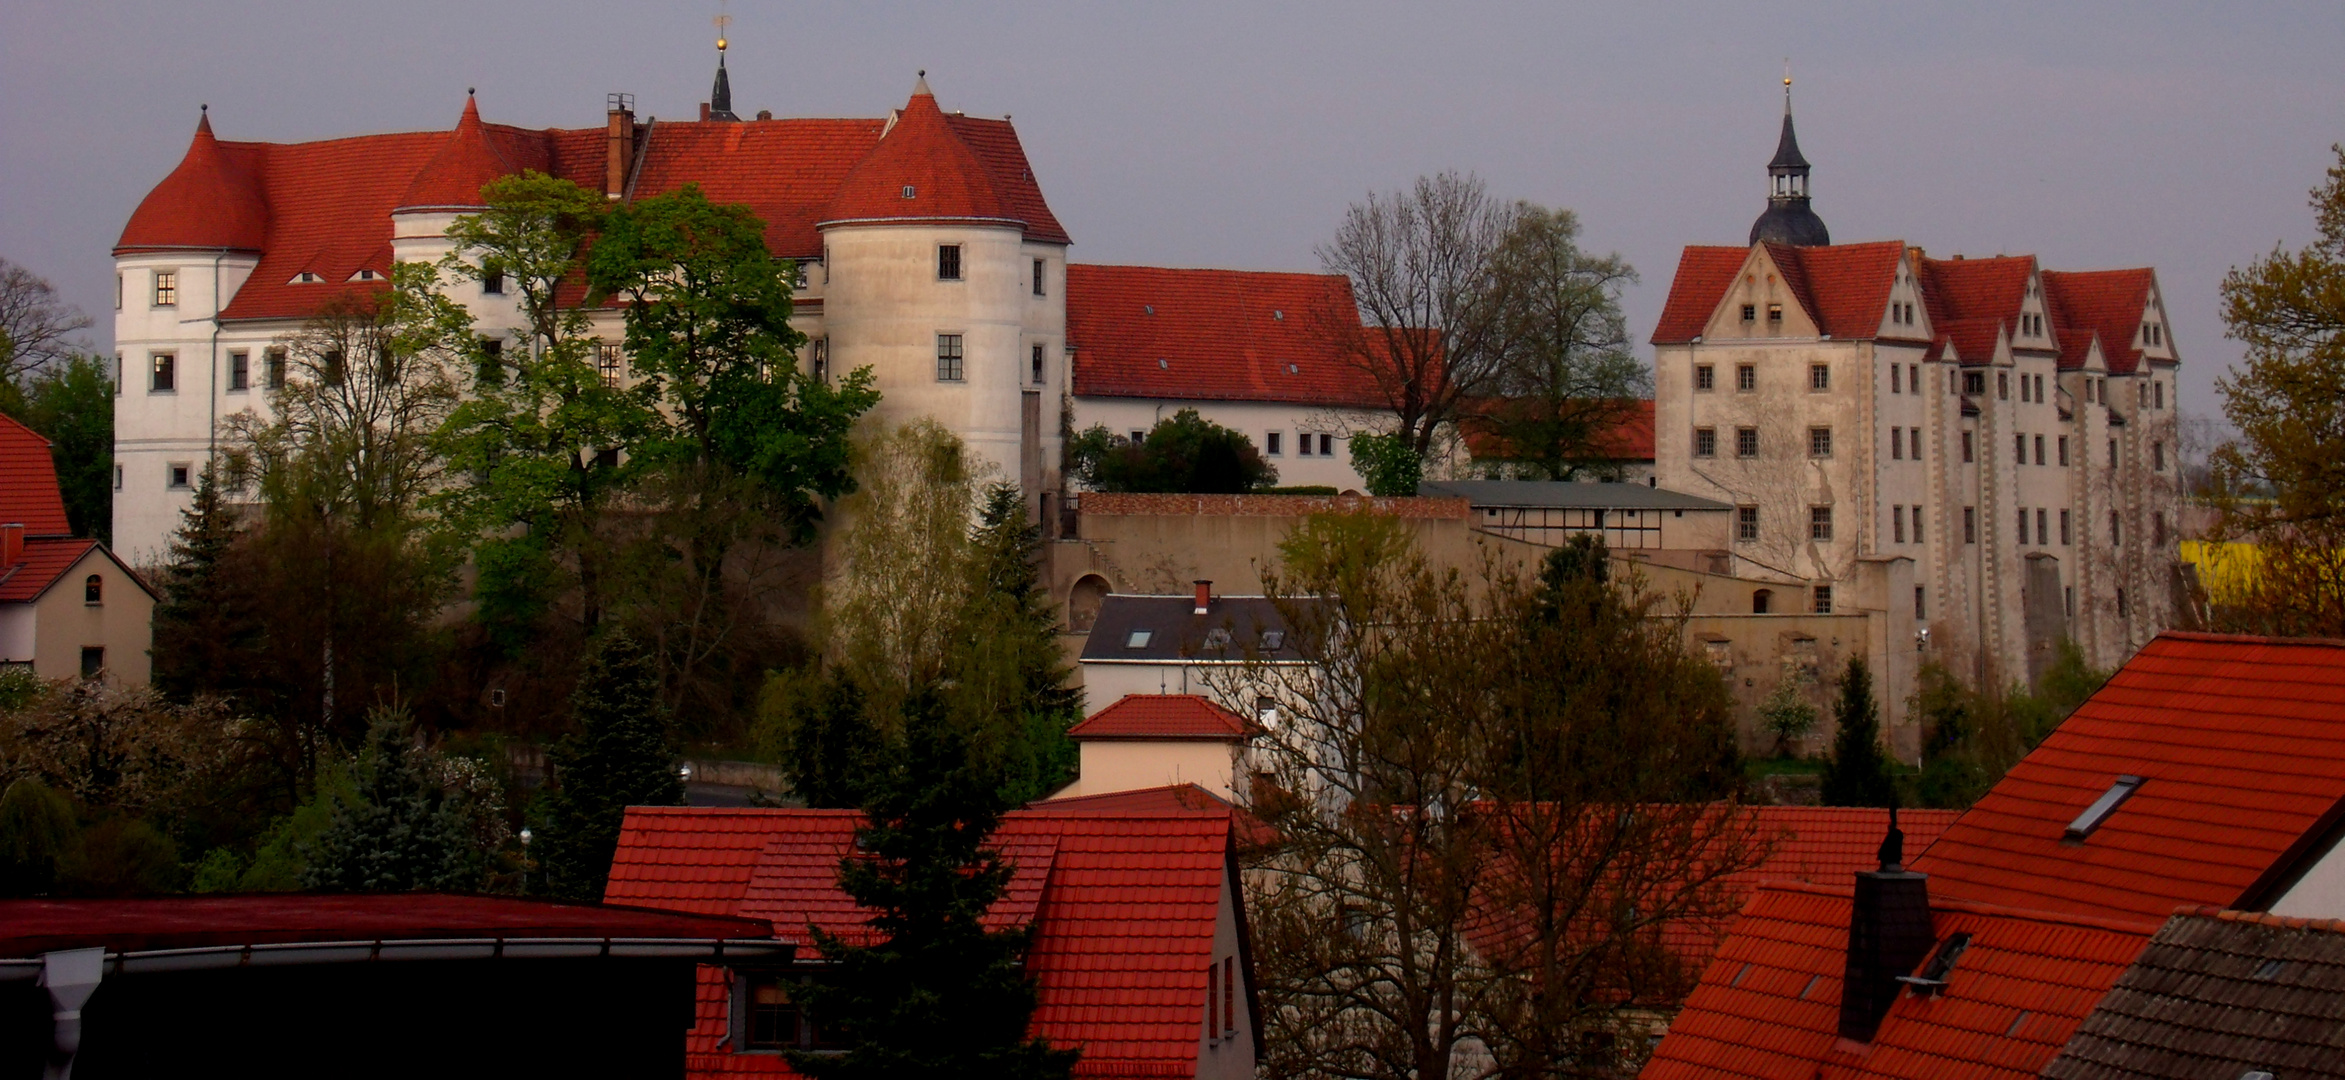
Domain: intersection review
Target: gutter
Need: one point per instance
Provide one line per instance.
(293, 954)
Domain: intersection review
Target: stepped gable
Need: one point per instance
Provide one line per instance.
(2240, 746)
(28, 482)
(452, 179)
(212, 200)
(788, 171)
(921, 171)
(1212, 335)
(2107, 302)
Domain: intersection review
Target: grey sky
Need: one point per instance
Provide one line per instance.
(2182, 136)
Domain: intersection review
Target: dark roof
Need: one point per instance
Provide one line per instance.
(32, 927)
(1787, 155)
(1790, 221)
(1175, 632)
(1560, 493)
(2220, 994)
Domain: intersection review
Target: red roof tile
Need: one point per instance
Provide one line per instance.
(1164, 716)
(44, 562)
(788, 171)
(1703, 276)
(923, 155)
(29, 494)
(2240, 742)
(2107, 302)
(31, 927)
(1124, 904)
(452, 179)
(1843, 287)
(1768, 1006)
(212, 200)
(1213, 335)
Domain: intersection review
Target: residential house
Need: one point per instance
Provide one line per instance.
(1154, 740)
(1176, 644)
(67, 606)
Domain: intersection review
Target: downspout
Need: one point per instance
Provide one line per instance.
(212, 430)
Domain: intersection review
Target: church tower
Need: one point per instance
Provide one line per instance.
(1789, 219)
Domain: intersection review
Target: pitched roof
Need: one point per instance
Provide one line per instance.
(2240, 744)
(31, 927)
(45, 561)
(923, 170)
(1212, 335)
(467, 161)
(211, 200)
(2109, 303)
(1703, 276)
(29, 495)
(2220, 994)
(1123, 905)
(1164, 716)
(1167, 629)
(1844, 287)
(1768, 1005)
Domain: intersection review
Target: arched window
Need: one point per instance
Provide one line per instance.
(93, 590)
(1083, 602)
(1760, 599)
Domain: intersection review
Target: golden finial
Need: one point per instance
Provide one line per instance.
(723, 20)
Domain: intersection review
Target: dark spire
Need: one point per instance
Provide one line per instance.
(1789, 219)
(720, 96)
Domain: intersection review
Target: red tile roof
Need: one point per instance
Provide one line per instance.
(2109, 303)
(1213, 335)
(31, 927)
(212, 200)
(29, 494)
(1164, 716)
(1843, 287)
(921, 154)
(1703, 276)
(452, 179)
(1768, 1006)
(2240, 742)
(44, 562)
(1124, 905)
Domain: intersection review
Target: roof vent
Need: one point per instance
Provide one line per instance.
(1294, 369)
(909, 191)
(1163, 364)
(2099, 811)
(1932, 980)
(1148, 309)
(1279, 315)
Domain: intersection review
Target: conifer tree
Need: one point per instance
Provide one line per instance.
(1009, 663)
(1858, 774)
(204, 619)
(405, 830)
(619, 757)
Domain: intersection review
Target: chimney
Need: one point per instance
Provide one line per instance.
(11, 543)
(704, 112)
(619, 156)
(1888, 935)
(1204, 596)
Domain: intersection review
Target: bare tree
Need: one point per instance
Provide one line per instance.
(36, 327)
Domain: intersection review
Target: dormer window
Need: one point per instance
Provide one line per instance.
(908, 191)
(2085, 823)
(1217, 639)
(305, 278)
(366, 275)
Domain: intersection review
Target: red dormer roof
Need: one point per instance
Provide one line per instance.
(1974, 340)
(1164, 716)
(2107, 302)
(28, 482)
(452, 179)
(2240, 744)
(1844, 288)
(212, 200)
(922, 170)
(1212, 335)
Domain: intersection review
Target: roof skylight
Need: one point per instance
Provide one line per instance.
(2099, 811)
(1138, 639)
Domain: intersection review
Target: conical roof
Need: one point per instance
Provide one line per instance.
(452, 179)
(1787, 155)
(921, 170)
(212, 200)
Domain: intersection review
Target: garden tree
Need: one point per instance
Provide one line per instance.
(207, 637)
(39, 836)
(1421, 267)
(541, 446)
(1858, 774)
(2281, 484)
(1786, 713)
(404, 830)
(346, 581)
(619, 756)
(1184, 453)
(937, 993)
(37, 328)
(1565, 376)
(70, 401)
(1497, 790)
(1387, 463)
(1970, 738)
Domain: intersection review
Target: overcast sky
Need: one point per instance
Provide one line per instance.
(2181, 136)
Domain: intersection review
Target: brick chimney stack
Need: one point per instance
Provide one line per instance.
(1888, 935)
(11, 543)
(1204, 596)
(619, 157)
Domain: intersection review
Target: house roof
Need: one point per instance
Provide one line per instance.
(1768, 1005)
(1213, 335)
(465, 163)
(44, 562)
(213, 199)
(1559, 493)
(2110, 303)
(921, 170)
(29, 495)
(32, 927)
(2220, 994)
(1164, 716)
(1703, 276)
(2240, 746)
(1166, 629)
(1843, 287)
(1123, 904)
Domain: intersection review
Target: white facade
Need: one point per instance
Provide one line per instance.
(1278, 429)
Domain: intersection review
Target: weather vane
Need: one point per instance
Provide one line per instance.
(724, 19)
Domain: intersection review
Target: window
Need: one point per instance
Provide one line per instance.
(165, 374)
(2064, 532)
(93, 661)
(948, 262)
(1897, 522)
(1746, 523)
(1326, 444)
(1970, 524)
(819, 357)
(1750, 313)
(1705, 442)
(176, 475)
(766, 1019)
(1819, 377)
(2019, 449)
(2064, 451)
(2043, 531)
(2039, 449)
(1921, 611)
(2158, 530)
(2002, 386)
(1917, 524)
(1302, 443)
(1229, 996)
(2023, 388)
(607, 458)
(2023, 525)
(1823, 599)
(117, 292)
(1212, 1001)
(492, 281)
(1705, 377)
(117, 374)
(2068, 600)
(1037, 358)
(1974, 382)
(274, 362)
(1966, 448)
(1746, 442)
(117, 477)
(948, 358)
(1896, 379)
(93, 590)
(2116, 529)
(1775, 314)
(166, 288)
(1039, 266)
(1761, 600)
(239, 370)
(2158, 456)
(1819, 523)
(606, 362)
(1746, 377)
(1896, 444)
(2120, 603)
(1913, 377)
(2158, 390)
(1138, 639)
(1217, 639)
(2092, 817)
(1820, 442)
(1271, 443)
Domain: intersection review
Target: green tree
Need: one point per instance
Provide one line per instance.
(1184, 453)
(404, 830)
(1010, 663)
(40, 835)
(1566, 376)
(70, 401)
(1786, 713)
(1858, 774)
(2281, 484)
(620, 756)
(207, 637)
(1387, 463)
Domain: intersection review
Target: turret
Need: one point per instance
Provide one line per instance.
(1788, 218)
(212, 201)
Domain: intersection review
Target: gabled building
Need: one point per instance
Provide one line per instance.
(67, 606)
(1145, 741)
(1139, 952)
(1153, 645)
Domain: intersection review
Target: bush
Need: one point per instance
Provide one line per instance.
(1786, 714)
(1186, 454)
(1387, 464)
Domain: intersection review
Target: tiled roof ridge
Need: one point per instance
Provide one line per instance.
(2250, 639)
(2262, 918)
(453, 178)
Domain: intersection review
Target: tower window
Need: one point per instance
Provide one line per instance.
(2158, 456)
(948, 261)
(2063, 450)
(165, 374)
(1895, 386)
(948, 358)
(2039, 449)
(1897, 521)
(2064, 533)
(1038, 359)
(1974, 382)
(2002, 386)
(2019, 449)
(1967, 454)
(1820, 523)
(2043, 532)
(1920, 612)
(1746, 377)
(1970, 524)
(1746, 442)
(1896, 444)
(1705, 442)
(1819, 377)
(1917, 523)
(1039, 266)
(1820, 442)
(166, 288)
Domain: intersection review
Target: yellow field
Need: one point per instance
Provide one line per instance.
(2224, 569)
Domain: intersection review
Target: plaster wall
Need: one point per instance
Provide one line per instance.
(17, 623)
(2320, 894)
(1229, 1054)
(1110, 765)
(122, 623)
